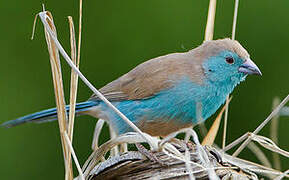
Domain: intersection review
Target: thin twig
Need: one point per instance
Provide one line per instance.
(269, 144)
(203, 156)
(79, 31)
(97, 131)
(34, 26)
(225, 122)
(58, 85)
(209, 33)
(73, 91)
(274, 113)
(188, 165)
(123, 148)
(114, 151)
(282, 175)
(235, 19)
(74, 156)
(150, 141)
(74, 80)
(227, 99)
(274, 134)
(237, 141)
(249, 166)
(259, 154)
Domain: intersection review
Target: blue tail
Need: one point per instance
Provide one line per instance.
(48, 114)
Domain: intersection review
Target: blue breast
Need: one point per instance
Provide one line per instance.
(179, 104)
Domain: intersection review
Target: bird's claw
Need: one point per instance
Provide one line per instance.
(149, 154)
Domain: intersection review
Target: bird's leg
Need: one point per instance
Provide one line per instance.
(148, 154)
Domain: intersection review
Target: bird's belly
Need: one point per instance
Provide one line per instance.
(167, 111)
(157, 117)
(161, 127)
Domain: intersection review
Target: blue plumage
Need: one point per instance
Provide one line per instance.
(178, 104)
(48, 114)
(170, 92)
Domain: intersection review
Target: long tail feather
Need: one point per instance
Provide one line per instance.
(48, 114)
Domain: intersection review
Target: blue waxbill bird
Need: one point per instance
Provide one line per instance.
(163, 95)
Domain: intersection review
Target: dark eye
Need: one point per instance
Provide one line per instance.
(230, 60)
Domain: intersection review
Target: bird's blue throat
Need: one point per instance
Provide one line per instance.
(179, 103)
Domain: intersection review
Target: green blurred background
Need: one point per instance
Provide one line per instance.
(118, 35)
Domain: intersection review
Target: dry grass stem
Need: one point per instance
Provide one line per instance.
(285, 174)
(97, 131)
(235, 19)
(188, 165)
(210, 137)
(263, 141)
(203, 156)
(34, 26)
(269, 144)
(114, 151)
(209, 33)
(274, 134)
(225, 122)
(79, 31)
(74, 156)
(200, 149)
(73, 92)
(248, 166)
(58, 89)
(64, 125)
(259, 154)
(123, 148)
(74, 80)
(227, 99)
(236, 142)
(274, 113)
(43, 18)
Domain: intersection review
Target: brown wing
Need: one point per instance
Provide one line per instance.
(149, 78)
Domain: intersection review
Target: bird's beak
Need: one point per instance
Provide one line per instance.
(249, 67)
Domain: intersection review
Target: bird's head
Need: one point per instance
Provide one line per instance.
(226, 60)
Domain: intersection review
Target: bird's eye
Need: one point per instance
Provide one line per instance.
(230, 60)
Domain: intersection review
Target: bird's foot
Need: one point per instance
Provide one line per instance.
(149, 154)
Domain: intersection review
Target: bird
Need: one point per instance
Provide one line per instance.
(167, 93)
